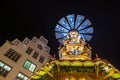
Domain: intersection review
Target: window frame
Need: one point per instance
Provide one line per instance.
(29, 50)
(41, 59)
(12, 54)
(28, 68)
(2, 68)
(35, 55)
(17, 77)
(39, 46)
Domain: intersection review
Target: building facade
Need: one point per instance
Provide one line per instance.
(19, 60)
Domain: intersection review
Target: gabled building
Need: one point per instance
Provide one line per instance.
(20, 59)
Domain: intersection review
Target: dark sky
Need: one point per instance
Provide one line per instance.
(28, 18)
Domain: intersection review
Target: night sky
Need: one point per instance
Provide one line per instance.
(28, 18)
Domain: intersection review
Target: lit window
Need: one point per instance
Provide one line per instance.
(29, 50)
(41, 59)
(35, 55)
(13, 55)
(32, 67)
(4, 69)
(21, 76)
(29, 65)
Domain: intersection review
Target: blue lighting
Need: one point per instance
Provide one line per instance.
(62, 39)
(60, 28)
(60, 35)
(85, 24)
(70, 22)
(79, 19)
(88, 30)
(64, 23)
(87, 37)
(75, 52)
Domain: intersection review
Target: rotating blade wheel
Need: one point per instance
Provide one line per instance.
(73, 22)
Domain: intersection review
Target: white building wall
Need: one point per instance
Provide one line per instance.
(21, 48)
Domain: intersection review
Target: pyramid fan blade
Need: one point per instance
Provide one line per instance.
(85, 24)
(64, 23)
(60, 35)
(60, 28)
(86, 37)
(87, 30)
(62, 39)
(78, 21)
(71, 20)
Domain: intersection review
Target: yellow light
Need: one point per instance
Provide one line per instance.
(82, 78)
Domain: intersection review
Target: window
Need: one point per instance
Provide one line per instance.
(29, 50)
(45, 41)
(34, 39)
(29, 65)
(41, 59)
(35, 55)
(13, 55)
(16, 42)
(4, 69)
(21, 76)
(47, 49)
(26, 41)
(40, 46)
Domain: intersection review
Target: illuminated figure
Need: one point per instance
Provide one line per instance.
(75, 61)
(74, 48)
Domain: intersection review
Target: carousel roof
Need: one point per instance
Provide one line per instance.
(97, 67)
